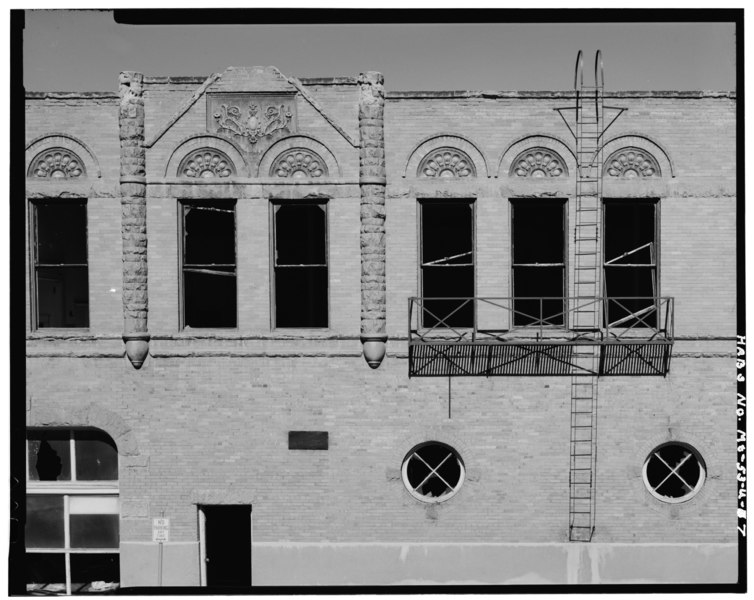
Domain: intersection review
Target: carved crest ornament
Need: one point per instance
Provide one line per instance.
(253, 125)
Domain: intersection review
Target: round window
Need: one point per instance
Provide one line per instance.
(433, 472)
(674, 472)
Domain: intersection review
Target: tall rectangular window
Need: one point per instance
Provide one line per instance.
(208, 264)
(630, 267)
(61, 274)
(538, 234)
(447, 263)
(300, 265)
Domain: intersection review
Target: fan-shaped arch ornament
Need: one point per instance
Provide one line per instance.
(538, 162)
(206, 163)
(631, 163)
(57, 163)
(299, 163)
(446, 162)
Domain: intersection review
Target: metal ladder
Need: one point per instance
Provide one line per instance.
(586, 315)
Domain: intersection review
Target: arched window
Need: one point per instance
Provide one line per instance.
(72, 511)
(433, 472)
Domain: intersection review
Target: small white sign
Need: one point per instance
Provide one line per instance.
(161, 530)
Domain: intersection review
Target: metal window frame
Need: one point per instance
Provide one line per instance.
(67, 489)
(697, 487)
(34, 265)
(275, 205)
(411, 489)
(565, 265)
(182, 204)
(421, 203)
(655, 248)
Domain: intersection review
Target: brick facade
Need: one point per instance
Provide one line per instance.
(205, 420)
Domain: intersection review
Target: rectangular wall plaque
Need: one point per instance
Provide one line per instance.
(308, 440)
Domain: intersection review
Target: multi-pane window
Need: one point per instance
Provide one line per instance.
(208, 264)
(630, 267)
(61, 275)
(447, 263)
(538, 237)
(72, 511)
(300, 265)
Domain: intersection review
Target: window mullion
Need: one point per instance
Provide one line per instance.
(73, 457)
(67, 541)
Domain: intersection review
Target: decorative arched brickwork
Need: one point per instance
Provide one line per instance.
(57, 163)
(446, 162)
(206, 163)
(658, 158)
(556, 158)
(221, 149)
(91, 415)
(298, 163)
(538, 162)
(630, 163)
(51, 156)
(302, 149)
(458, 149)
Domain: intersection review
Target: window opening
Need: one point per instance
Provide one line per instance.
(674, 472)
(433, 472)
(209, 264)
(538, 234)
(61, 274)
(300, 265)
(630, 263)
(72, 512)
(447, 263)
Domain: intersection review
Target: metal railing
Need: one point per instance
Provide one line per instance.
(546, 319)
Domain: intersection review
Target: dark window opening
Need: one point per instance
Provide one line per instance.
(630, 268)
(300, 265)
(447, 264)
(209, 264)
(60, 264)
(538, 235)
(433, 472)
(674, 472)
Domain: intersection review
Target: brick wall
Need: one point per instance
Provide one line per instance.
(206, 418)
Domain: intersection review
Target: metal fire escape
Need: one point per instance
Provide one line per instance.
(589, 127)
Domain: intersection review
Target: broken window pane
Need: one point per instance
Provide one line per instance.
(96, 456)
(62, 285)
(301, 274)
(49, 455)
(44, 522)
(209, 264)
(447, 264)
(630, 263)
(538, 237)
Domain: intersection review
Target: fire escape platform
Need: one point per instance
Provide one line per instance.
(641, 344)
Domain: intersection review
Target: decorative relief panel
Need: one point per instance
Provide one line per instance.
(57, 163)
(205, 163)
(251, 118)
(631, 163)
(446, 162)
(538, 162)
(298, 163)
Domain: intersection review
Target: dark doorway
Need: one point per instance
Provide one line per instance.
(227, 545)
